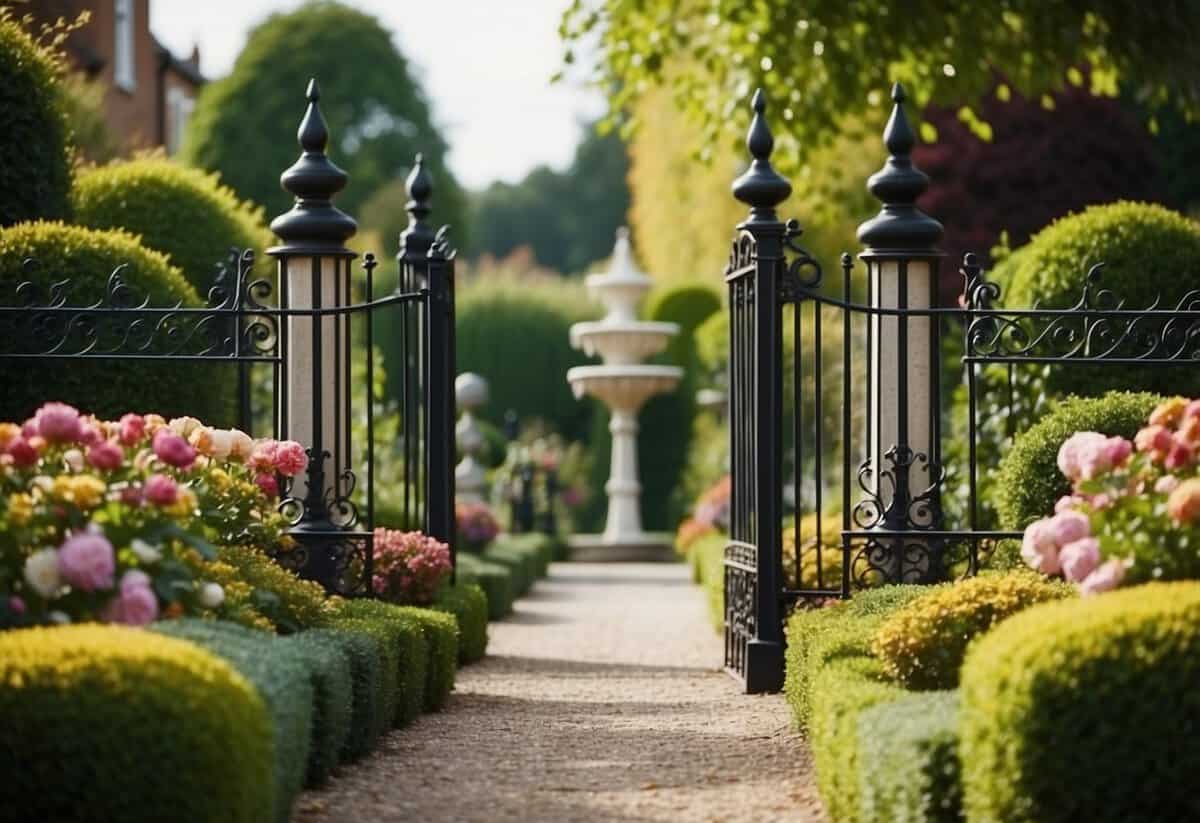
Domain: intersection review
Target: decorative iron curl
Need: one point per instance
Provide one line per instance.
(803, 273)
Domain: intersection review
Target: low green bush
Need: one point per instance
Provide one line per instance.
(708, 559)
(1028, 482)
(104, 723)
(384, 641)
(1086, 709)
(412, 650)
(908, 760)
(542, 547)
(521, 564)
(441, 632)
(280, 674)
(365, 658)
(332, 678)
(288, 601)
(495, 580)
(469, 605)
(923, 644)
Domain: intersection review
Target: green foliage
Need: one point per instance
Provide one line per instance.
(384, 684)
(182, 212)
(365, 658)
(495, 580)
(103, 723)
(289, 602)
(522, 565)
(281, 676)
(1029, 483)
(244, 124)
(1085, 710)
(536, 546)
(707, 557)
(83, 101)
(407, 636)
(908, 760)
(469, 605)
(923, 644)
(441, 632)
(332, 675)
(35, 153)
(104, 388)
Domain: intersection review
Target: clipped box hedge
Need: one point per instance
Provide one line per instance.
(469, 605)
(280, 674)
(441, 633)
(333, 693)
(521, 564)
(542, 547)
(407, 635)
(385, 642)
(104, 723)
(365, 657)
(495, 580)
(1086, 710)
(707, 557)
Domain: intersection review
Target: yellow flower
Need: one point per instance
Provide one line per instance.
(1168, 412)
(220, 479)
(8, 433)
(84, 490)
(184, 505)
(20, 508)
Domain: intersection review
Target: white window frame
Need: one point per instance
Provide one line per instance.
(179, 110)
(124, 47)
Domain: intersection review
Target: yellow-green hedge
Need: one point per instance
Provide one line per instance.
(102, 723)
(407, 636)
(1086, 709)
(469, 605)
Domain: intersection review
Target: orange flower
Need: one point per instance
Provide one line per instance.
(1168, 412)
(1183, 505)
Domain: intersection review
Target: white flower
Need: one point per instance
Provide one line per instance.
(74, 460)
(59, 618)
(211, 595)
(240, 445)
(41, 572)
(222, 443)
(146, 552)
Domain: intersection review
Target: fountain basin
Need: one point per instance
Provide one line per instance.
(624, 387)
(622, 343)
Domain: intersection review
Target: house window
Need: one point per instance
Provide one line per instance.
(179, 111)
(124, 74)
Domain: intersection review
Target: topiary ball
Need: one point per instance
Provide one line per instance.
(35, 153)
(182, 212)
(107, 388)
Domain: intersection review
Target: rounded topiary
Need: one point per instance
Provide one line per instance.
(35, 154)
(102, 723)
(1028, 482)
(107, 388)
(1086, 709)
(182, 212)
(1149, 253)
(922, 645)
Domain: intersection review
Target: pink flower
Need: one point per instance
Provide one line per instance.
(1192, 409)
(105, 455)
(16, 605)
(58, 423)
(132, 428)
(1068, 526)
(1183, 504)
(1038, 547)
(1179, 455)
(1105, 578)
(173, 449)
(268, 484)
(1166, 484)
(22, 452)
(161, 489)
(1073, 450)
(86, 561)
(137, 604)
(1079, 559)
(290, 458)
(1067, 501)
(1155, 439)
(90, 434)
(134, 578)
(29, 428)
(262, 458)
(131, 496)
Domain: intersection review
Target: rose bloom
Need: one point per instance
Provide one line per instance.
(1179, 456)
(74, 459)
(268, 484)
(87, 561)
(262, 458)
(290, 458)
(22, 452)
(1073, 450)
(173, 450)
(58, 423)
(184, 426)
(1154, 439)
(1079, 559)
(161, 490)
(1068, 526)
(1038, 547)
(1168, 412)
(131, 428)
(1183, 504)
(105, 455)
(241, 446)
(137, 605)
(41, 572)
(1105, 578)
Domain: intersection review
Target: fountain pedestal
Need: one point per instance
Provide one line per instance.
(624, 384)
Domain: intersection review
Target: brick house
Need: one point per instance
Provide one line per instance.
(149, 92)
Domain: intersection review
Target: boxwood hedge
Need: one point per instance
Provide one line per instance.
(331, 674)
(407, 636)
(364, 655)
(495, 580)
(441, 633)
(384, 640)
(469, 605)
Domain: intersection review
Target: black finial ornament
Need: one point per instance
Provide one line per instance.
(900, 227)
(313, 224)
(418, 236)
(761, 187)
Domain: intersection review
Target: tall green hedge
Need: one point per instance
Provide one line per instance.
(35, 153)
(103, 723)
(108, 388)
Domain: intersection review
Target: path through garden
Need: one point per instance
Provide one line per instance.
(600, 700)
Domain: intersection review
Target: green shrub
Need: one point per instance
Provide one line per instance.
(332, 678)
(708, 557)
(908, 760)
(282, 677)
(282, 597)
(1086, 710)
(35, 175)
(469, 605)
(495, 580)
(183, 212)
(441, 632)
(106, 388)
(384, 640)
(923, 644)
(541, 547)
(1028, 482)
(412, 651)
(103, 723)
(365, 658)
(521, 564)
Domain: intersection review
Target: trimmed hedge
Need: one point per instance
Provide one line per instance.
(183, 212)
(469, 605)
(35, 175)
(1086, 710)
(288, 601)
(922, 645)
(365, 658)
(385, 642)
(542, 547)
(1028, 482)
(441, 632)
(103, 723)
(908, 760)
(707, 557)
(495, 580)
(412, 651)
(521, 564)
(281, 675)
(105, 388)
(332, 678)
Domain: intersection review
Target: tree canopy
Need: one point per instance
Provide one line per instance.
(244, 125)
(824, 60)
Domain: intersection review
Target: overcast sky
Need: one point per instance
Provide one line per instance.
(485, 64)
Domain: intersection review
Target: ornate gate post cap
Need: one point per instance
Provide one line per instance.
(418, 236)
(900, 228)
(761, 187)
(314, 224)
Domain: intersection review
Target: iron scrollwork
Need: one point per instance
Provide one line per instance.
(802, 275)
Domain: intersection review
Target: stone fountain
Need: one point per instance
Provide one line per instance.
(623, 383)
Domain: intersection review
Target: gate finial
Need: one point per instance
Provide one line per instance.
(761, 187)
(418, 236)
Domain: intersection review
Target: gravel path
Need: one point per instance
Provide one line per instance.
(601, 699)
